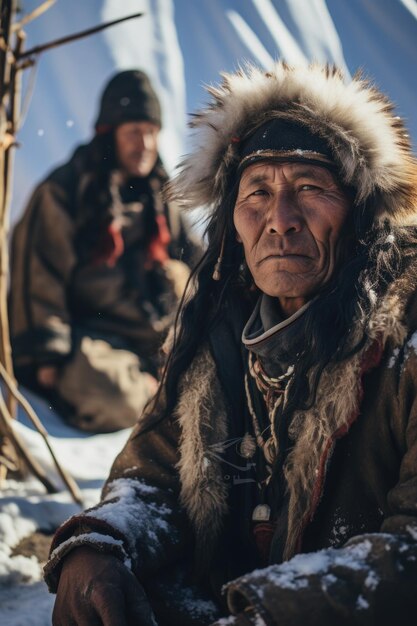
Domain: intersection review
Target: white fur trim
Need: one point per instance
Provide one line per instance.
(369, 143)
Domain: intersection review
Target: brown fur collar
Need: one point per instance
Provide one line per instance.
(202, 415)
(337, 405)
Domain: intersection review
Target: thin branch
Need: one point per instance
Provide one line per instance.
(68, 480)
(32, 16)
(7, 463)
(6, 428)
(30, 87)
(27, 63)
(74, 37)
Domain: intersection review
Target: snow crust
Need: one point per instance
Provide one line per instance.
(412, 343)
(130, 507)
(372, 581)
(25, 508)
(412, 530)
(410, 347)
(393, 357)
(362, 604)
(295, 573)
(93, 538)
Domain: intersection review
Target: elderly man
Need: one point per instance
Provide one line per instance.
(97, 267)
(281, 451)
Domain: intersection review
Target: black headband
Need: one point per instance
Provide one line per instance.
(285, 141)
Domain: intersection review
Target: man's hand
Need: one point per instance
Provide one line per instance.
(47, 376)
(97, 589)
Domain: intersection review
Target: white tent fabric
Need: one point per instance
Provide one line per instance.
(184, 45)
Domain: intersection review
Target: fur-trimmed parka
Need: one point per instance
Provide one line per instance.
(80, 268)
(352, 478)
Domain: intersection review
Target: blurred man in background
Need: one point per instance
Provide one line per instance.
(99, 262)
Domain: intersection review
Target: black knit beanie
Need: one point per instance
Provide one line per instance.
(128, 97)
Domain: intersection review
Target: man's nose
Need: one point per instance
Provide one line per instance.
(284, 216)
(140, 142)
(147, 141)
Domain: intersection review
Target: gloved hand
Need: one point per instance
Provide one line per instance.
(96, 589)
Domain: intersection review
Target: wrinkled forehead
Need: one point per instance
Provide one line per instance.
(274, 170)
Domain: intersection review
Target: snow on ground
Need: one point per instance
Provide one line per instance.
(25, 508)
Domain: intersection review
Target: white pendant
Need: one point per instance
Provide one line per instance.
(261, 513)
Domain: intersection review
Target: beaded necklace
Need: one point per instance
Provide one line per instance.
(273, 391)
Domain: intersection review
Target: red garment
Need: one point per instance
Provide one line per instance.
(158, 246)
(110, 246)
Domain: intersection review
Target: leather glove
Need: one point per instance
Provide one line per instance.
(96, 589)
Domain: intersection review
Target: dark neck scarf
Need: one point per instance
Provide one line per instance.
(274, 340)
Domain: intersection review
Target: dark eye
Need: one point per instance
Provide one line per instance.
(309, 187)
(259, 192)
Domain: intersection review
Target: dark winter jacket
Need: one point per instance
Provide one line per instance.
(80, 264)
(174, 497)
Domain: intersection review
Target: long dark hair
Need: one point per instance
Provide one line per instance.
(372, 260)
(94, 164)
(100, 160)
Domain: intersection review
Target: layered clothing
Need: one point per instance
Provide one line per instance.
(179, 503)
(96, 260)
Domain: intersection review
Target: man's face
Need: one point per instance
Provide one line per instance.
(137, 147)
(289, 218)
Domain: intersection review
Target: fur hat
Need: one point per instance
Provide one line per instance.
(368, 143)
(128, 97)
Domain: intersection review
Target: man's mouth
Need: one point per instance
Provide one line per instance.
(287, 256)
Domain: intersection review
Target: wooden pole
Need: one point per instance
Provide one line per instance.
(14, 94)
(7, 449)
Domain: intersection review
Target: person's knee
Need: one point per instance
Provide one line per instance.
(105, 387)
(105, 415)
